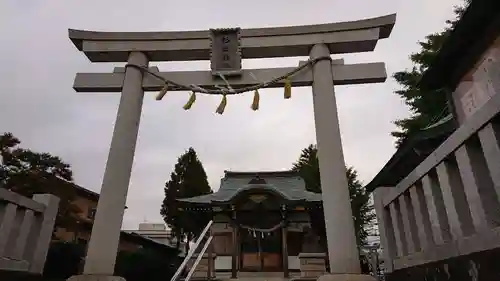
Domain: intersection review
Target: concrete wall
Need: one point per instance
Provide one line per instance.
(479, 84)
(449, 206)
(475, 267)
(446, 211)
(26, 227)
(223, 263)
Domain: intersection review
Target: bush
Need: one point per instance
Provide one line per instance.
(145, 265)
(63, 260)
(66, 259)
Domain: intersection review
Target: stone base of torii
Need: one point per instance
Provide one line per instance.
(140, 48)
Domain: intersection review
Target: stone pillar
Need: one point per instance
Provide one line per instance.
(455, 201)
(480, 188)
(421, 216)
(399, 231)
(40, 247)
(386, 229)
(409, 225)
(437, 212)
(103, 245)
(342, 249)
(489, 136)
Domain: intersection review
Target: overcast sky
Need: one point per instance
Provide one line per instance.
(37, 103)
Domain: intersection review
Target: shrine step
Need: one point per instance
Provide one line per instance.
(291, 278)
(257, 279)
(259, 274)
(256, 276)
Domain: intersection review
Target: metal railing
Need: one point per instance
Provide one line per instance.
(198, 259)
(192, 251)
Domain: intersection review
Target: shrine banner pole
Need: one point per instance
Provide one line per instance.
(105, 237)
(342, 248)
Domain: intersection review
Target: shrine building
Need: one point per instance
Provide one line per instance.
(261, 223)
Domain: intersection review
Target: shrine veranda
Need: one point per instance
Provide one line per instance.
(226, 48)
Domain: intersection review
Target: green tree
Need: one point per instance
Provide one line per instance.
(64, 260)
(427, 107)
(170, 208)
(187, 180)
(362, 207)
(27, 173)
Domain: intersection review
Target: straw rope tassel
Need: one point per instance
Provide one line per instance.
(190, 102)
(222, 105)
(256, 99)
(163, 92)
(288, 88)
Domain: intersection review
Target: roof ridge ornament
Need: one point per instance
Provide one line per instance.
(257, 180)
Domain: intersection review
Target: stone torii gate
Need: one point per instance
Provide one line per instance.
(138, 49)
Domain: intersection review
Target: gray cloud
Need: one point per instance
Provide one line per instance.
(37, 103)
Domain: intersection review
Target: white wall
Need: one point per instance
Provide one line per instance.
(293, 262)
(223, 263)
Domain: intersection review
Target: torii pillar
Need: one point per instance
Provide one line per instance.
(342, 248)
(139, 48)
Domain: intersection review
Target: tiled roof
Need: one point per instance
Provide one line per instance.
(473, 34)
(412, 152)
(145, 241)
(82, 191)
(285, 183)
(134, 238)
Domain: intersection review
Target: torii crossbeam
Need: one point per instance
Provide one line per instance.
(342, 75)
(140, 48)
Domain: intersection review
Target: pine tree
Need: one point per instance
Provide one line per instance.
(27, 173)
(362, 207)
(427, 107)
(187, 180)
(169, 209)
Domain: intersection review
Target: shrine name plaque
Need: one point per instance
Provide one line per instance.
(225, 56)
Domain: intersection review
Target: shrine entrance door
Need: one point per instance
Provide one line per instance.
(261, 251)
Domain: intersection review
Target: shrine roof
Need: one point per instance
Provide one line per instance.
(287, 184)
(477, 29)
(412, 152)
(472, 36)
